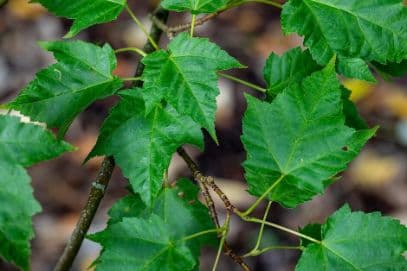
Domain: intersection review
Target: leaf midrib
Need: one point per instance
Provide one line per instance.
(189, 87)
(73, 91)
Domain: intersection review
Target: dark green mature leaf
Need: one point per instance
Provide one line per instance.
(27, 144)
(85, 13)
(21, 144)
(157, 238)
(355, 241)
(17, 208)
(186, 77)
(290, 68)
(144, 144)
(194, 6)
(82, 75)
(296, 144)
(357, 31)
(355, 68)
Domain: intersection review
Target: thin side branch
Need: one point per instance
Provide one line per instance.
(99, 186)
(206, 182)
(88, 213)
(170, 31)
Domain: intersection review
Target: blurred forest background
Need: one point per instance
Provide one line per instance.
(376, 180)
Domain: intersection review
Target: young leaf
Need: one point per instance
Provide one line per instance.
(356, 31)
(160, 237)
(144, 144)
(355, 241)
(290, 68)
(296, 144)
(186, 77)
(82, 75)
(85, 13)
(194, 6)
(21, 144)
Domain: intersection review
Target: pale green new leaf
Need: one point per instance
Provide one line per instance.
(296, 144)
(290, 68)
(157, 238)
(21, 144)
(355, 241)
(143, 144)
(185, 76)
(58, 93)
(194, 6)
(85, 13)
(356, 31)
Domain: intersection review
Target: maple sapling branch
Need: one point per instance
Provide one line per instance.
(211, 206)
(88, 213)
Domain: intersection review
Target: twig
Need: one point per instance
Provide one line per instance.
(105, 173)
(204, 183)
(96, 194)
(182, 27)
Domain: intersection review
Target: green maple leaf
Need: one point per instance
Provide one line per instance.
(21, 144)
(356, 31)
(296, 144)
(84, 13)
(355, 241)
(58, 93)
(159, 237)
(290, 68)
(185, 76)
(194, 6)
(143, 144)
